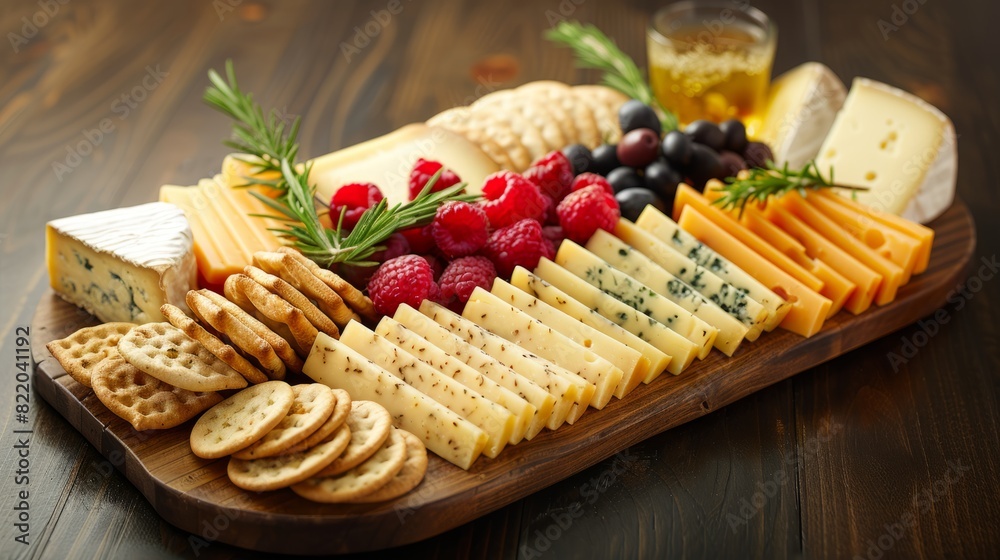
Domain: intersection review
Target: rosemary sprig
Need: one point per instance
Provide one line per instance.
(759, 183)
(593, 49)
(276, 149)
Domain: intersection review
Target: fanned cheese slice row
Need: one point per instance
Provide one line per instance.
(496, 421)
(444, 432)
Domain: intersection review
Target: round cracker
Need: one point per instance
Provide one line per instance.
(272, 473)
(576, 118)
(526, 105)
(81, 352)
(237, 333)
(413, 471)
(363, 479)
(240, 420)
(340, 411)
(212, 343)
(165, 352)
(370, 425)
(604, 102)
(313, 405)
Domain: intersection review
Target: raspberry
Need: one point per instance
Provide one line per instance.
(553, 173)
(407, 279)
(555, 235)
(510, 198)
(584, 180)
(437, 265)
(423, 170)
(396, 245)
(550, 218)
(521, 244)
(464, 274)
(356, 198)
(459, 228)
(582, 212)
(420, 239)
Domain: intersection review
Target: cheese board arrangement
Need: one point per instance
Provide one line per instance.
(385, 342)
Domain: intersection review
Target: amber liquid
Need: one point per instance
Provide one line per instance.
(715, 76)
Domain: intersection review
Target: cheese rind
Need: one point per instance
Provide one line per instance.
(482, 362)
(682, 350)
(657, 360)
(733, 300)
(450, 366)
(636, 295)
(897, 145)
(496, 421)
(672, 235)
(598, 376)
(123, 264)
(633, 263)
(444, 432)
(553, 378)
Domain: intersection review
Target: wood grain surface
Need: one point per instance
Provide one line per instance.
(855, 457)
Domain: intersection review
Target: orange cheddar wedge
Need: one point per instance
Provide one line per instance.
(884, 240)
(892, 274)
(809, 309)
(866, 280)
(687, 196)
(923, 234)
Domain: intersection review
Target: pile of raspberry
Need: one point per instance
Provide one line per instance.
(521, 218)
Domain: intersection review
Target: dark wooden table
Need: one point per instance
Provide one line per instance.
(865, 456)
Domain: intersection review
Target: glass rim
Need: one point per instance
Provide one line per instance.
(755, 15)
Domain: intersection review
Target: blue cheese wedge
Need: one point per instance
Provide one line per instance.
(123, 264)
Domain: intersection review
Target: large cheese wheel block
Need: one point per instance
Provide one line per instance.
(531, 392)
(446, 364)
(496, 421)
(655, 359)
(633, 263)
(559, 382)
(629, 360)
(387, 160)
(731, 299)
(499, 317)
(444, 432)
(636, 295)
(682, 350)
(923, 234)
(809, 309)
(897, 145)
(667, 231)
(822, 249)
(892, 274)
(801, 107)
(122, 264)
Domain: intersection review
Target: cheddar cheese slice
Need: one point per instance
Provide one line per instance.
(444, 432)
(682, 350)
(533, 393)
(496, 421)
(633, 263)
(418, 347)
(670, 234)
(892, 274)
(492, 313)
(636, 295)
(809, 309)
(655, 360)
(628, 360)
(559, 382)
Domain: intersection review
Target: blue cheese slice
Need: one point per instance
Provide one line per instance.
(123, 264)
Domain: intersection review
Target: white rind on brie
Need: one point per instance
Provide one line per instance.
(123, 264)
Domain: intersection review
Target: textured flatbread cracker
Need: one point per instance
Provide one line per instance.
(212, 343)
(82, 351)
(237, 333)
(165, 352)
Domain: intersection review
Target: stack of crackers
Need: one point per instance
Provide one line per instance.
(312, 439)
(515, 127)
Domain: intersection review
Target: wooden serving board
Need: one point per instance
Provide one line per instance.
(196, 495)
